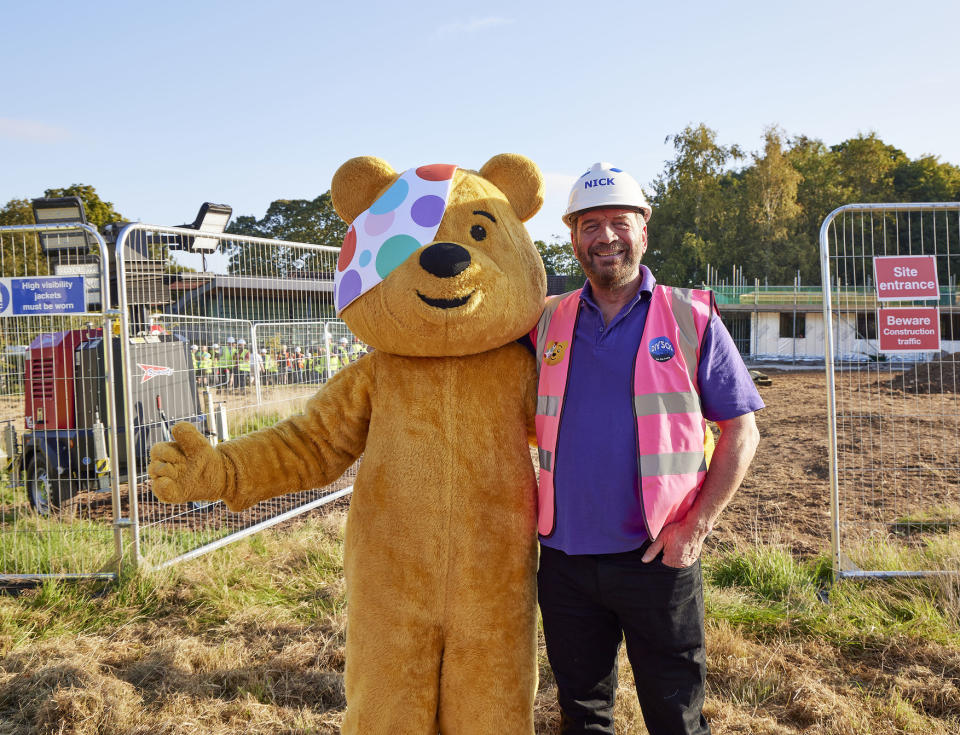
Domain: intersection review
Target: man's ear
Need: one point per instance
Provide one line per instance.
(520, 181)
(357, 184)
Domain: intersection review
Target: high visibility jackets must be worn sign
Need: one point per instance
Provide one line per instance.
(906, 329)
(42, 295)
(906, 277)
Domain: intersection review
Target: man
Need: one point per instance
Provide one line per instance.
(226, 365)
(206, 366)
(242, 366)
(195, 359)
(629, 371)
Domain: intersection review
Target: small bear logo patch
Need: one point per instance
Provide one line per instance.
(554, 353)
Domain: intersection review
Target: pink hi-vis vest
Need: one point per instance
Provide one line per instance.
(670, 427)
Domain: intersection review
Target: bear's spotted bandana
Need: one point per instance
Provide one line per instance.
(405, 218)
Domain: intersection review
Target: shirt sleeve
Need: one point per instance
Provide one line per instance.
(726, 388)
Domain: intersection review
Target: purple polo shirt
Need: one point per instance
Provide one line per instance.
(596, 483)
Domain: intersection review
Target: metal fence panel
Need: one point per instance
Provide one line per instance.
(894, 416)
(58, 498)
(233, 339)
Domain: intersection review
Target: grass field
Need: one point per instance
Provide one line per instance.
(250, 639)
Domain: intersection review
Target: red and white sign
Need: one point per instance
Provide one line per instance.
(906, 329)
(905, 277)
(152, 371)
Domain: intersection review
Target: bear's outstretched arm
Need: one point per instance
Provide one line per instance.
(302, 452)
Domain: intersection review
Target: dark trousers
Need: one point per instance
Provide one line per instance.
(589, 603)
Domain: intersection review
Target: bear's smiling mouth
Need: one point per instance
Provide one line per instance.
(445, 303)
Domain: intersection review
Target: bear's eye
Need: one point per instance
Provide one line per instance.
(478, 233)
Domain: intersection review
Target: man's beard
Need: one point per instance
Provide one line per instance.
(612, 275)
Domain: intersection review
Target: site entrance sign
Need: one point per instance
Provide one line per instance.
(42, 296)
(906, 277)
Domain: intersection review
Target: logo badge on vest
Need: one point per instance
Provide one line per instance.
(661, 349)
(555, 352)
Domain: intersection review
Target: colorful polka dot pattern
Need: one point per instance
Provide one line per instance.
(402, 220)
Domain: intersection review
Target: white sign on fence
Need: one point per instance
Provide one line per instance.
(42, 296)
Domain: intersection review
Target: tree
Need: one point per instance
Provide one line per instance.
(24, 256)
(558, 258)
(20, 254)
(820, 190)
(927, 180)
(299, 220)
(16, 212)
(866, 167)
(695, 204)
(770, 214)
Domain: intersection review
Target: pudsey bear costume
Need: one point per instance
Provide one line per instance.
(438, 274)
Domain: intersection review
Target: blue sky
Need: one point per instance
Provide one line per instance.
(166, 105)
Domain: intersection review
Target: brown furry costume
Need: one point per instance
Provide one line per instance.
(440, 553)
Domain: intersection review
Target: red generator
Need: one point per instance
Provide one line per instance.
(67, 438)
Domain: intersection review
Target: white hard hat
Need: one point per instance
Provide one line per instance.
(230, 340)
(343, 340)
(605, 186)
(263, 350)
(215, 346)
(241, 341)
(298, 349)
(193, 347)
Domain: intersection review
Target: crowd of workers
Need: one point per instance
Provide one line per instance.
(234, 366)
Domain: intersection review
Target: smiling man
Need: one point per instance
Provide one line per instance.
(629, 372)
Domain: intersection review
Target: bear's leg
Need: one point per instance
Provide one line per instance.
(392, 674)
(488, 677)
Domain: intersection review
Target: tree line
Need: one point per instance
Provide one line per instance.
(712, 205)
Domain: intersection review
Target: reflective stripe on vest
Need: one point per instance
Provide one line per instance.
(670, 428)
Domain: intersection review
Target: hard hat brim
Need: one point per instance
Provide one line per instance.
(569, 217)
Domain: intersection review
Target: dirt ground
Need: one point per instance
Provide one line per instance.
(898, 457)
(785, 496)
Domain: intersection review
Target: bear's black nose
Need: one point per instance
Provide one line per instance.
(445, 259)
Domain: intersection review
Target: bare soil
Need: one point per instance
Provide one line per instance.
(785, 497)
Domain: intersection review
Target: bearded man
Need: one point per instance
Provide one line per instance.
(629, 373)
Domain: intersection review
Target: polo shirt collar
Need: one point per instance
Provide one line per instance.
(647, 284)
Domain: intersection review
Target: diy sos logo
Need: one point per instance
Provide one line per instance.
(661, 349)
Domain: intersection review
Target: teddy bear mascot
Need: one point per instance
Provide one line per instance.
(439, 275)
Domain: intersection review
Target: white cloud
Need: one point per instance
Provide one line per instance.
(473, 25)
(31, 131)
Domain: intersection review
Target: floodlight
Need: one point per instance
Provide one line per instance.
(212, 219)
(59, 210)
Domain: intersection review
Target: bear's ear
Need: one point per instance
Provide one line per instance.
(519, 179)
(357, 183)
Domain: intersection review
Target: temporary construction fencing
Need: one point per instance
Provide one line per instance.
(48, 306)
(228, 332)
(893, 375)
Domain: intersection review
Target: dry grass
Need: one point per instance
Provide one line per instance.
(251, 639)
